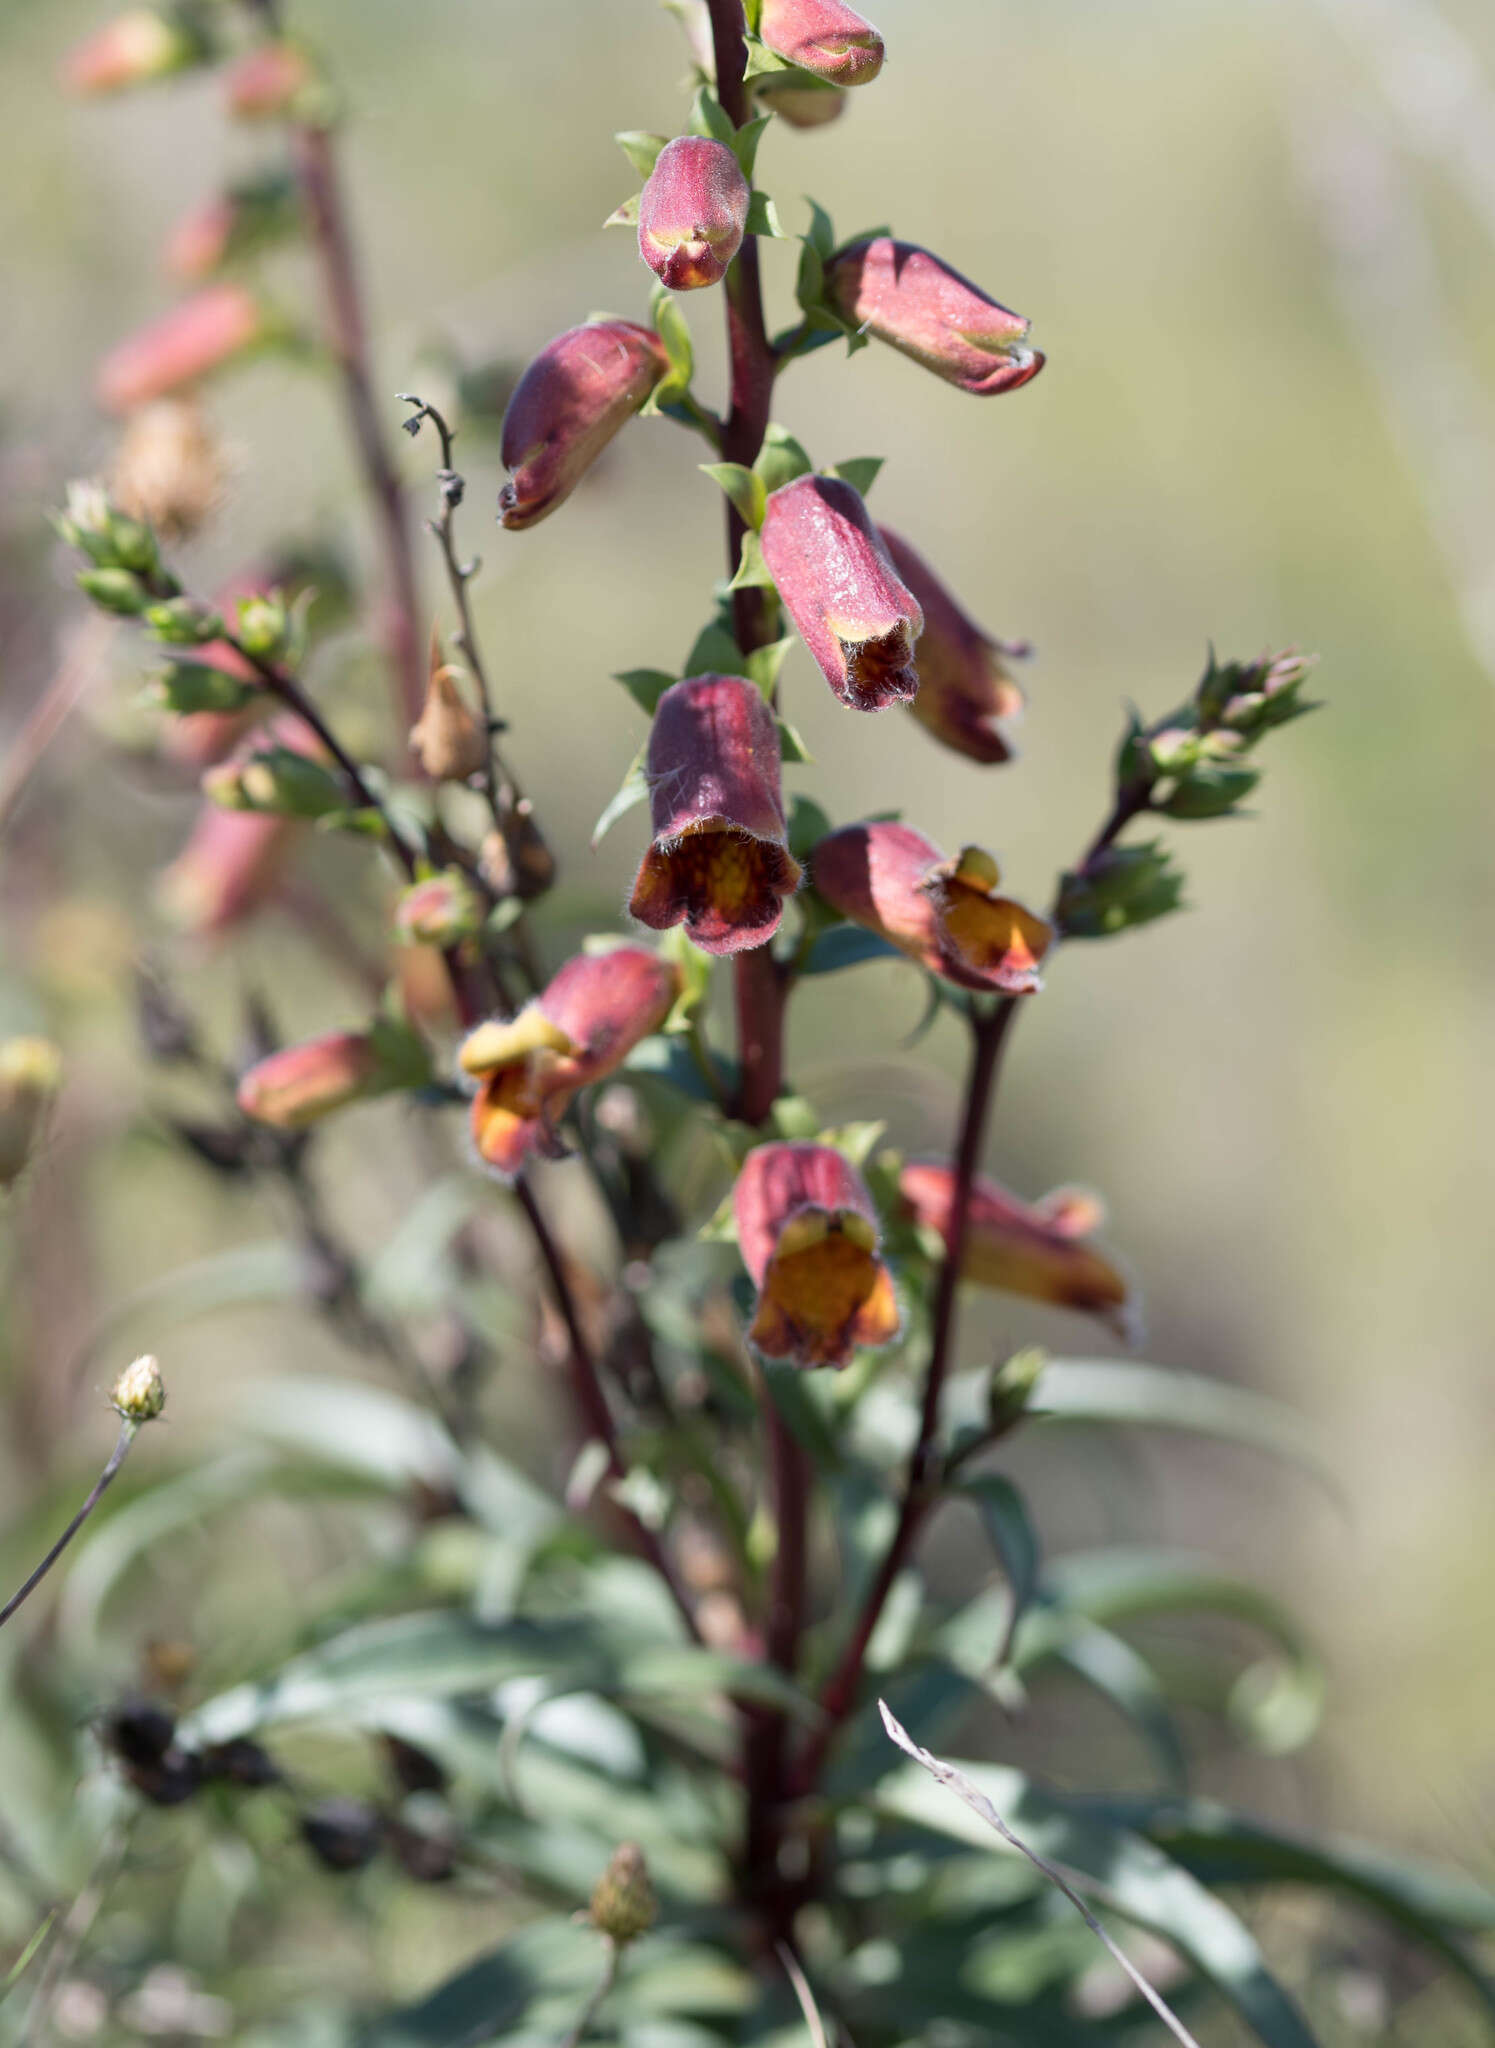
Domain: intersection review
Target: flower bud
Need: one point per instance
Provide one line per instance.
(274, 79)
(576, 394)
(278, 768)
(839, 586)
(119, 591)
(797, 101)
(198, 336)
(945, 914)
(965, 694)
(920, 306)
(1012, 1386)
(169, 471)
(719, 858)
(137, 47)
(692, 213)
(240, 1762)
(228, 869)
(809, 1237)
(30, 1077)
(110, 537)
(578, 1030)
(301, 1084)
(1038, 1249)
(183, 622)
(139, 1394)
(623, 1904)
(448, 738)
(822, 36)
(440, 911)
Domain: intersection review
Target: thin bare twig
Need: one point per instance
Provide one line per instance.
(593, 2005)
(129, 1430)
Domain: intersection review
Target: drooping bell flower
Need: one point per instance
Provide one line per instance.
(822, 36)
(809, 1237)
(838, 583)
(692, 213)
(946, 914)
(1042, 1249)
(576, 394)
(966, 697)
(137, 47)
(229, 868)
(268, 81)
(200, 335)
(211, 235)
(578, 1030)
(719, 858)
(301, 1084)
(903, 295)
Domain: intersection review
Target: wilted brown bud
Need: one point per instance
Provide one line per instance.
(169, 469)
(448, 738)
(623, 1904)
(516, 861)
(839, 586)
(945, 914)
(966, 697)
(915, 303)
(823, 36)
(139, 1394)
(692, 213)
(30, 1076)
(809, 1237)
(580, 390)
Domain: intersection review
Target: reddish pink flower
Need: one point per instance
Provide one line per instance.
(840, 587)
(267, 81)
(915, 303)
(692, 213)
(824, 37)
(809, 1237)
(228, 869)
(136, 47)
(719, 858)
(194, 338)
(301, 1084)
(945, 914)
(573, 398)
(1038, 1249)
(578, 1030)
(198, 244)
(965, 693)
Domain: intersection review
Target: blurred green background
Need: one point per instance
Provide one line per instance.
(1256, 243)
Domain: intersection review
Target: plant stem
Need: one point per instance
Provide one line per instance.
(586, 1389)
(316, 172)
(128, 1432)
(989, 1035)
(593, 2005)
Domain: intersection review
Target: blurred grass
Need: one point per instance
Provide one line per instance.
(1287, 1094)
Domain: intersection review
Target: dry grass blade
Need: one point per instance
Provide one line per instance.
(961, 1786)
(804, 1994)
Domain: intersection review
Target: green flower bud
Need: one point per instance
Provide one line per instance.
(139, 1394)
(115, 590)
(623, 1905)
(184, 622)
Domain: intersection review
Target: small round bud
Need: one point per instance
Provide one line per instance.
(440, 911)
(1011, 1387)
(139, 1394)
(623, 1905)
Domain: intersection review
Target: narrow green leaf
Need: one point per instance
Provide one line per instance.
(633, 789)
(708, 117)
(625, 213)
(744, 146)
(752, 570)
(765, 664)
(715, 652)
(763, 218)
(641, 148)
(847, 945)
(781, 459)
(792, 750)
(1009, 1529)
(645, 686)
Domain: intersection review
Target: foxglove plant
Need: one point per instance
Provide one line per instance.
(769, 1404)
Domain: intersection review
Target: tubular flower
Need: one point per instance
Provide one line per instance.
(824, 37)
(228, 869)
(946, 914)
(268, 81)
(965, 694)
(301, 1084)
(136, 47)
(573, 398)
(692, 213)
(919, 305)
(1038, 1249)
(194, 338)
(838, 582)
(578, 1030)
(809, 1237)
(719, 858)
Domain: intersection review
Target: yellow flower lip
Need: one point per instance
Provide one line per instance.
(496, 1044)
(813, 1226)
